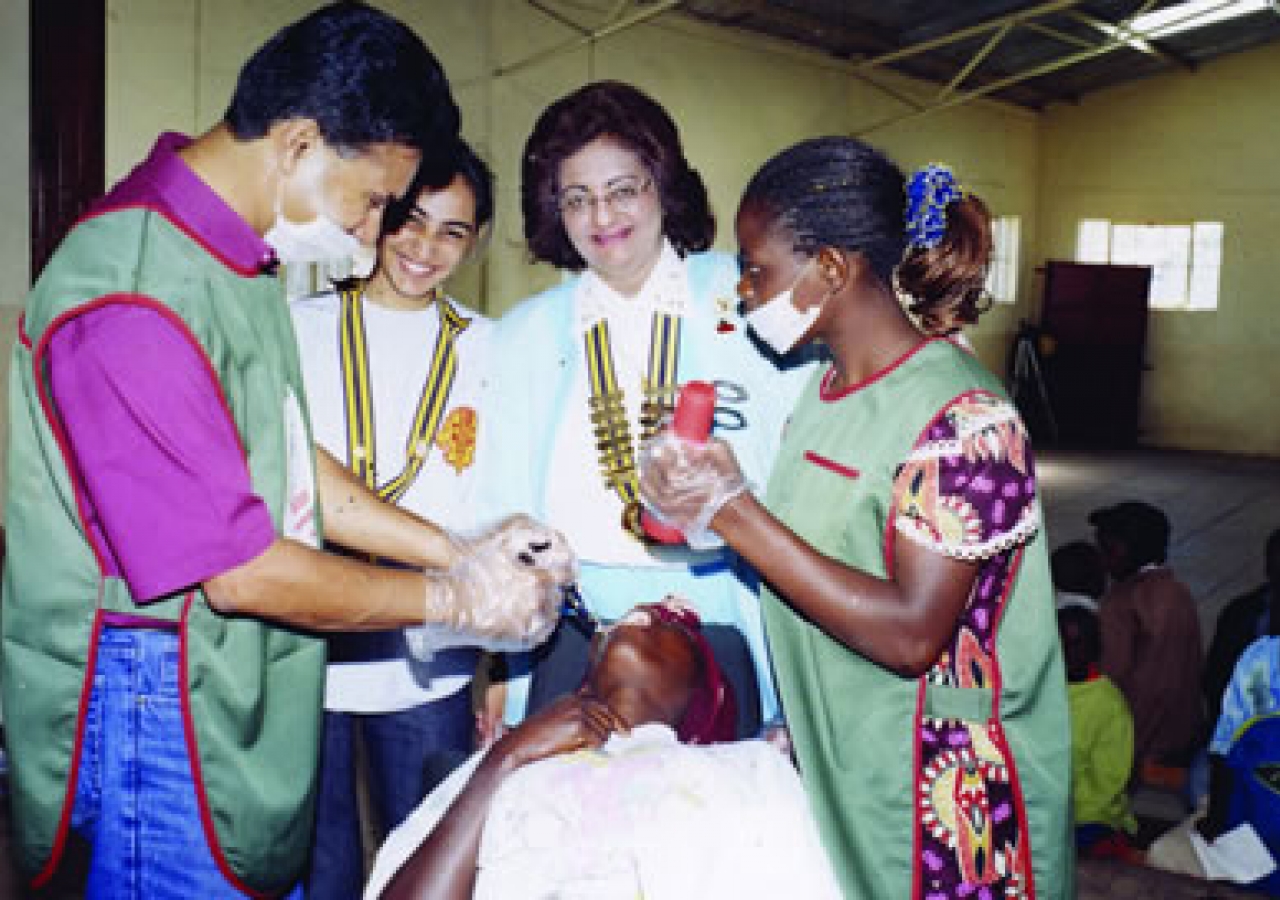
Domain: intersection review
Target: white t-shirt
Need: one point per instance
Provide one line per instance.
(400, 346)
(643, 816)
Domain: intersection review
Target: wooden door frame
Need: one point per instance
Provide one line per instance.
(67, 117)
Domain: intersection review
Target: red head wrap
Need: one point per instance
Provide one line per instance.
(712, 714)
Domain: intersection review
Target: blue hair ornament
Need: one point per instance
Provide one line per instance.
(929, 192)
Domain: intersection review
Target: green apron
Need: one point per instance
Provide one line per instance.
(889, 809)
(254, 691)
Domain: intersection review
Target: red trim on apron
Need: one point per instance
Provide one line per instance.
(55, 426)
(246, 271)
(73, 777)
(831, 465)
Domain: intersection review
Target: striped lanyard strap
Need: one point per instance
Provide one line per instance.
(609, 413)
(361, 451)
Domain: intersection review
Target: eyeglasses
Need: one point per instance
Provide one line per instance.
(622, 196)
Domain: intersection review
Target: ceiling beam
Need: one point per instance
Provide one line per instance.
(759, 15)
(557, 16)
(859, 36)
(1002, 83)
(958, 15)
(1026, 15)
(976, 59)
(639, 17)
(1057, 34)
(1134, 39)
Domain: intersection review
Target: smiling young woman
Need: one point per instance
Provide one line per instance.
(395, 370)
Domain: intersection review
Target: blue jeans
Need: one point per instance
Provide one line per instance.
(135, 798)
(409, 753)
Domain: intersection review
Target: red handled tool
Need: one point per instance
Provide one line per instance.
(695, 410)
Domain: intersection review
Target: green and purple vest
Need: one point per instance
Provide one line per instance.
(938, 784)
(252, 703)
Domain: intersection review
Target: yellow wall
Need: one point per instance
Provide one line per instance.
(15, 240)
(1182, 146)
(737, 100)
(1186, 147)
(15, 237)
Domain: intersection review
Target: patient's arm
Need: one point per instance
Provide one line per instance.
(444, 866)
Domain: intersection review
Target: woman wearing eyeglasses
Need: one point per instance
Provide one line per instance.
(608, 195)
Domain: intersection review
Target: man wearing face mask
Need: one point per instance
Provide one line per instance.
(162, 693)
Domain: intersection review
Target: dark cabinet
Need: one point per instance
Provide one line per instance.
(1094, 333)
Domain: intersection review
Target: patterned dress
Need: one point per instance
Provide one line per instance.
(956, 783)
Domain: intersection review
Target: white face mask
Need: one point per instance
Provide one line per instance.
(319, 240)
(778, 323)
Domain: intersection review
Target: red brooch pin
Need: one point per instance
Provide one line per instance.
(725, 308)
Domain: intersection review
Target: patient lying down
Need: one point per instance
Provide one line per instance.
(622, 790)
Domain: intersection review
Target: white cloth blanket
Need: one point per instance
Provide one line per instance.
(643, 816)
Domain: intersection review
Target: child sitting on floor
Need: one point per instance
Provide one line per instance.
(1079, 575)
(1102, 741)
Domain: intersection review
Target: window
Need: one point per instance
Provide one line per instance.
(1185, 259)
(1002, 276)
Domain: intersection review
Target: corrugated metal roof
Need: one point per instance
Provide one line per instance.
(1028, 52)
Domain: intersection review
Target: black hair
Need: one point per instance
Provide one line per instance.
(637, 122)
(1078, 567)
(1143, 529)
(364, 77)
(1081, 636)
(839, 192)
(459, 160)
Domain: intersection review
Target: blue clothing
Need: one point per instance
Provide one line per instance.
(1254, 690)
(539, 354)
(409, 752)
(1247, 736)
(134, 762)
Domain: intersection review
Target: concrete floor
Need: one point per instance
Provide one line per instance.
(1222, 509)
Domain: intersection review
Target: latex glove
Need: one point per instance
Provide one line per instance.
(685, 484)
(502, 593)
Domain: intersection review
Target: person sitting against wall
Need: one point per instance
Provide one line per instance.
(1150, 640)
(1244, 759)
(614, 791)
(1241, 622)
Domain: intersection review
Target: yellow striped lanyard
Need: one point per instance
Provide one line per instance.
(361, 451)
(609, 413)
